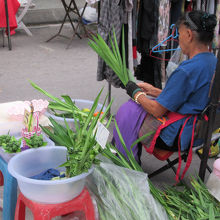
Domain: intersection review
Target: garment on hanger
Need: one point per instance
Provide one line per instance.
(147, 23)
(163, 20)
(210, 6)
(113, 14)
(175, 10)
(216, 43)
(198, 4)
(149, 69)
(134, 32)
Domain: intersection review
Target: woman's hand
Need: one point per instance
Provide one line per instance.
(146, 87)
(149, 89)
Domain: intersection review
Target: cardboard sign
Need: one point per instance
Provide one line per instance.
(102, 134)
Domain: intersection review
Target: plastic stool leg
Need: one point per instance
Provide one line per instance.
(47, 211)
(20, 209)
(89, 208)
(10, 192)
(1, 179)
(38, 210)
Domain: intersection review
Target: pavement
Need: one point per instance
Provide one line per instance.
(61, 71)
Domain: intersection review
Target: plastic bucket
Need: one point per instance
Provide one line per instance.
(34, 161)
(81, 104)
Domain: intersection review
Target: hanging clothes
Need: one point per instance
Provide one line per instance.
(149, 69)
(216, 42)
(198, 4)
(13, 6)
(175, 10)
(130, 45)
(164, 20)
(134, 32)
(113, 14)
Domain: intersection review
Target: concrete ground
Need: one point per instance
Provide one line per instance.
(63, 71)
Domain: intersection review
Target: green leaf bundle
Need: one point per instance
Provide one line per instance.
(112, 56)
(81, 143)
(66, 106)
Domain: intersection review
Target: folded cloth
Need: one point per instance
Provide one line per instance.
(48, 174)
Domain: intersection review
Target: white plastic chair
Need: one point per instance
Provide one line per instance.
(25, 5)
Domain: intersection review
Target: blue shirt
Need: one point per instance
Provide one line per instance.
(187, 92)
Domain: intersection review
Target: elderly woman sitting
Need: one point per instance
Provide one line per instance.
(172, 114)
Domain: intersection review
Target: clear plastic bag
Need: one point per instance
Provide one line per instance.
(177, 58)
(123, 194)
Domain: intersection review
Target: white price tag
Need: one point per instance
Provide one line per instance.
(101, 134)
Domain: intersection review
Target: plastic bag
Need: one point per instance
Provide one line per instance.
(90, 14)
(174, 61)
(213, 182)
(123, 194)
(213, 185)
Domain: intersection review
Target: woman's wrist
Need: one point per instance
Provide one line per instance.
(138, 95)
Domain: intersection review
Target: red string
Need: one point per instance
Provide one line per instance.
(159, 58)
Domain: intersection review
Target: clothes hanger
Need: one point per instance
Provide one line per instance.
(172, 37)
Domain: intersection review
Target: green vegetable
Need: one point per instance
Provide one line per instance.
(4, 139)
(66, 107)
(118, 196)
(35, 141)
(12, 146)
(112, 57)
(81, 144)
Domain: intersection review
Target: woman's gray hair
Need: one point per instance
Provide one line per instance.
(191, 23)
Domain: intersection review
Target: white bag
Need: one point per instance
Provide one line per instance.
(177, 58)
(213, 182)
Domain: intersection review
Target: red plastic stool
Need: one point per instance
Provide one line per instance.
(41, 211)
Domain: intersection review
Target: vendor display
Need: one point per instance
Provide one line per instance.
(114, 183)
(117, 182)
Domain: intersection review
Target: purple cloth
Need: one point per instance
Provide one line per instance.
(129, 118)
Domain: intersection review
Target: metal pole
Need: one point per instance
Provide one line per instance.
(211, 115)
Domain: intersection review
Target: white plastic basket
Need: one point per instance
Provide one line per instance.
(81, 104)
(34, 161)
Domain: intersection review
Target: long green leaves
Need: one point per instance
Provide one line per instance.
(130, 163)
(81, 143)
(112, 56)
(192, 202)
(67, 106)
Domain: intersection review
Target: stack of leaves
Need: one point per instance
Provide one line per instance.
(81, 144)
(193, 202)
(35, 141)
(112, 56)
(66, 107)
